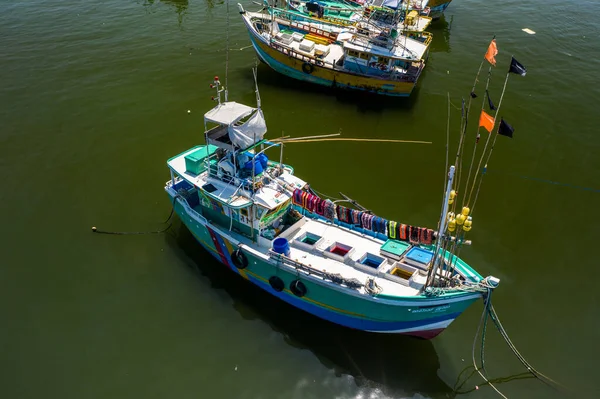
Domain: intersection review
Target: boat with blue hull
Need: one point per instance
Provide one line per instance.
(340, 263)
(379, 62)
(437, 8)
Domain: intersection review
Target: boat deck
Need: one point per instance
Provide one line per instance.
(321, 246)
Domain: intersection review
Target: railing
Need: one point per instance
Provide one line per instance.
(352, 283)
(299, 55)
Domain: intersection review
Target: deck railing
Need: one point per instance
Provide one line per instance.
(352, 283)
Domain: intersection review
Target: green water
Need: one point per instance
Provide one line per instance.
(95, 97)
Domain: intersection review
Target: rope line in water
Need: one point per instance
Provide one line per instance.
(490, 313)
(595, 190)
(124, 233)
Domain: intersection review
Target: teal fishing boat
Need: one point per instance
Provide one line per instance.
(333, 259)
(409, 17)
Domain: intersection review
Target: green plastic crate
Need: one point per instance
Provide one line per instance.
(394, 249)
(194, 161)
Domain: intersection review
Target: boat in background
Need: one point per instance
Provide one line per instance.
(411, 16)
(340, 263)
(438, 7)
(374, 60)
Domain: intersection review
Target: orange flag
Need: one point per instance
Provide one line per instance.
(487, 121)
(491, 53)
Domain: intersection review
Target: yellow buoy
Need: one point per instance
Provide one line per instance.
(451, 225)
(465, 211)
(468, 224)
(452, 196)
(460, 219)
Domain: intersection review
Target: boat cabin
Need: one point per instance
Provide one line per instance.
(364, 56)
(230, 181)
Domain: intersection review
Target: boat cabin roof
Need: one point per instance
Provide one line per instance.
(269, 196)
(406, 48)
(395, 4)
(227, 113)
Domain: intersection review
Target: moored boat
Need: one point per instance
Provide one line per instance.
(379, 62)
(342, 264)
(438, 7)
(403, 18)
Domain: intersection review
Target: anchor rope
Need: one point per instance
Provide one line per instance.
(122, 233)
(489, 313)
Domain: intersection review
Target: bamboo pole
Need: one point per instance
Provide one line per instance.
(361, 140)
(306, 137)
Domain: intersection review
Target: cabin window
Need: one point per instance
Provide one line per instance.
(244, 212)
(401, 64)
(259, 212)
(352, 53)
(384, 60)
(209, 188)
(364, 56)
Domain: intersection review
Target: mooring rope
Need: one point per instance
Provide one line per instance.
(123, 233)
(490, 313)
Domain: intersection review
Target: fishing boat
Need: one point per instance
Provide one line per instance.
(331, 258)
(438, 7)
(411, 16)
(380, 62)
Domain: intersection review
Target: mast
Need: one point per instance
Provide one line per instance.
(437, 255)
(227, 52)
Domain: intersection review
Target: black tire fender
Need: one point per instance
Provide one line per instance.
(298, 288)
(276, 283)
(238, 259)
(307, 68)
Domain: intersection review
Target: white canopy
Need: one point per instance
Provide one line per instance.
(228, 113)
(250, 132)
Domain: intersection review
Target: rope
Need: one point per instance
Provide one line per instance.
(490, 313)
(487, 84)
(123, 233)
(371, 287)
(324, 195)
(482, 321)
(544, 378)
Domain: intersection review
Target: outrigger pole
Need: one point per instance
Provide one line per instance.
(436, 258)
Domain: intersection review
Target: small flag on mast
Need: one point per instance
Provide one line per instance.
(490, 103)
(505, 129)
(517, 67)
(487, 121)
(491, 52)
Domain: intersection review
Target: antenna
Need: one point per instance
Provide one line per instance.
(254, 72)
(216, 85)
(226, 54)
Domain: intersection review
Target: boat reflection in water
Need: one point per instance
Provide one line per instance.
(370, 361)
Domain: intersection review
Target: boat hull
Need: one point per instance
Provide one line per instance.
(417, 316)
(438, 7)
(293, 67)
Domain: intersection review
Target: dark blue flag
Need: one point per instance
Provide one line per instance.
(505, 129)
(490, 103)
(517, 67)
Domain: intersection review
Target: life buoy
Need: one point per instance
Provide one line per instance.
(307, 68)
(298, 288)
(277, 283)
(238, 259)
